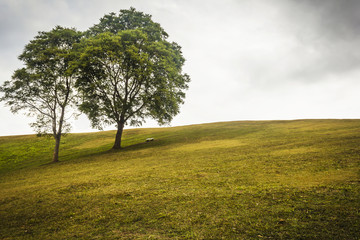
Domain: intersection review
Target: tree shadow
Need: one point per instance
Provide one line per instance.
(93, 154)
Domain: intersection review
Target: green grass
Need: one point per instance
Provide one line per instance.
(232, 180)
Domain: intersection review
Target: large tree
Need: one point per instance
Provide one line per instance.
(44, 87)
(129, 71)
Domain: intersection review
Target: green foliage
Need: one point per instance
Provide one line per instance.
(44, 87)
(126, 78)
(234, 180)
(126, 20)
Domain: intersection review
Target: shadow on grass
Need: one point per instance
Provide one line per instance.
(94, 155)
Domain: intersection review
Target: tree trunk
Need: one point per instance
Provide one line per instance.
(117, 144)
(57, 146)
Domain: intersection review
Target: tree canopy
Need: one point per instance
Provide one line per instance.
(126, 20)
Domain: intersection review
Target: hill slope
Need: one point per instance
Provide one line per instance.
(233, 180)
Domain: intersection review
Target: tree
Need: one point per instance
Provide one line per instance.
(44, 87)
(129, 71)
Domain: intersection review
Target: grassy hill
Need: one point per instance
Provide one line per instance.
(233, 180)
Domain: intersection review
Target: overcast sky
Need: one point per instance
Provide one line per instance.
(247, 59)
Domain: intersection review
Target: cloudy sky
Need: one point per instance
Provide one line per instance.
(248, 59)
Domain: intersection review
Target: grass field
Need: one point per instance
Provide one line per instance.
(232, 180)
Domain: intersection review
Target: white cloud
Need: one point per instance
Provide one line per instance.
(271, 59)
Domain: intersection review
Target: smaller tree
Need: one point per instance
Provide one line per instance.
(44, 88)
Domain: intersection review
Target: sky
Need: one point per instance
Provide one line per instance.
(247, 59)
